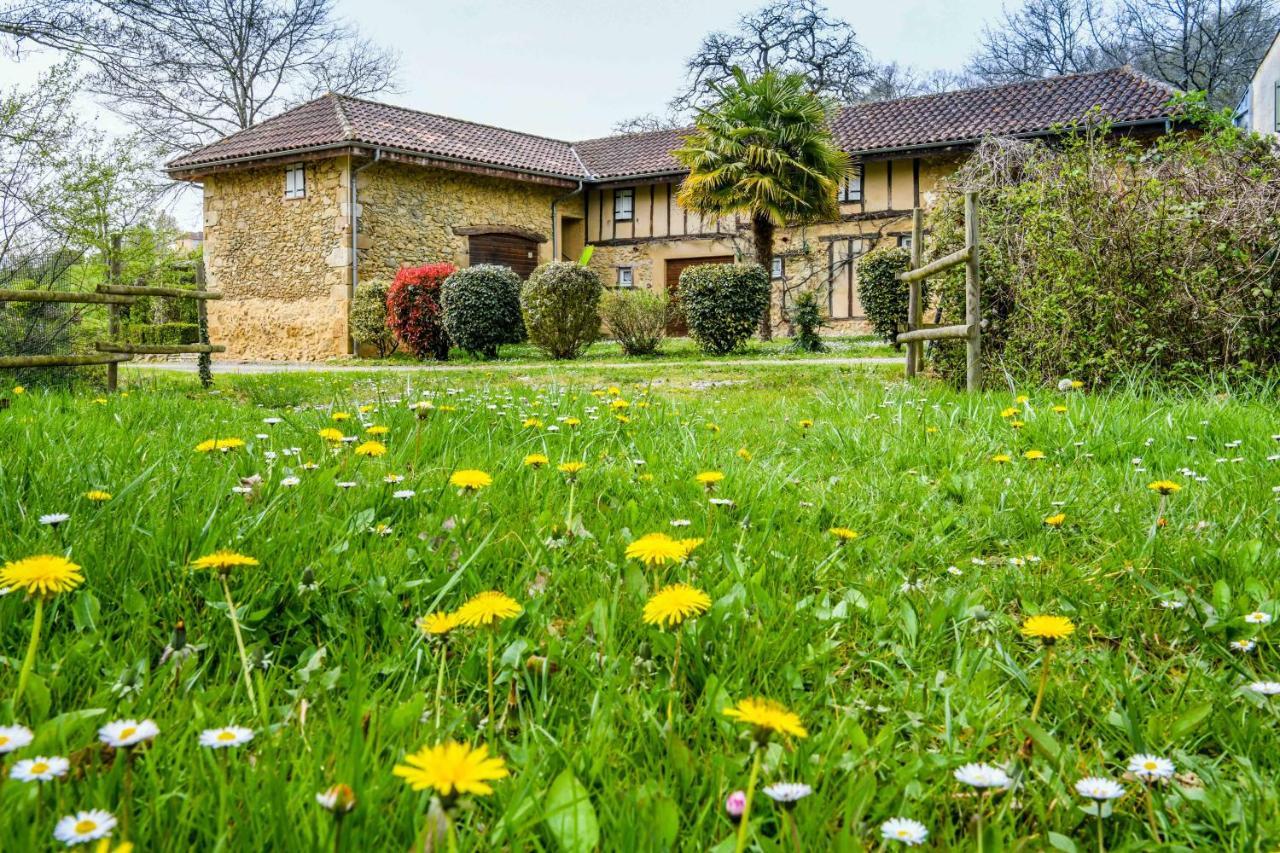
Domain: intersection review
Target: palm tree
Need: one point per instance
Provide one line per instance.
(764, 150)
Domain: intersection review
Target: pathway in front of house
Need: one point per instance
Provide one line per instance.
(248, 367)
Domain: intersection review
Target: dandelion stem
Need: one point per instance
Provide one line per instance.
(982, 837)
(795, 831)
(1101, 848)
(568, 519)
(675, 667)
(1151, 814)
(746, 806)
(127, 805)
(29, 661)
(451, 834)
(491, 720)
(1044, 682)
(235, 626)
(440, 684)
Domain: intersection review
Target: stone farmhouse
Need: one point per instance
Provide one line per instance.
(301, 208)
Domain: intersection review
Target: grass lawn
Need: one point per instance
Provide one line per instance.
(899, 651)
(673, 349)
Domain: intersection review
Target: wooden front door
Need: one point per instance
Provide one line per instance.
(505, 250)
(676, 326)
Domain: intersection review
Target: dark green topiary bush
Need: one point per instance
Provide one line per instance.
(482, 309)
(723, 304)
(807, 317)
(883, 297)
(561, 307)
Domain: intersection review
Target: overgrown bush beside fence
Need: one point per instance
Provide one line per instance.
(723, 304)
(883, 297)
(1102, 257)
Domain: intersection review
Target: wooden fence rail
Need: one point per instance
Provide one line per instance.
(116, 296)
(971, 330)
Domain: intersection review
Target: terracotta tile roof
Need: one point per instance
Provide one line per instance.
(1034, 107)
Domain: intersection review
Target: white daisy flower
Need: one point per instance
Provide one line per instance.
(680, 522)
(953, 570)
(983, 776)
(1063, 385)
(787, 793)
(345, 484)
(290, 482)
(1099, 788)
(721, 502)
(262, 436)
(403, 494)
(83, 827)
(40, 769)
(1265, 688)
(126, 733)
(53, 519)
(271, 421)
(909, 832)
(392, 479)
(14, 738)
(1151, 768)
(225, 737)
(1257, 617)
(1242, 645)
(338, 799)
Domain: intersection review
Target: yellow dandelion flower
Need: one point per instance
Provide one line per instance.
(224, 561)
(673, 604)
(536, 460)
(438, 624)
(572, 422)
(1056, 520)
(713, 427)
(1021, 398)
(744, 454)
(1033, 455)
(766, 717)
(622, 419)
(805, 423)
(1009, 412)
(614, 391)
(709, 478)
(1050, 629)
(1000, 458)
(1164, 487)
(657, 549)
(1059, 409)
(372, 449)
(844, 534)
(470, 480)
(97, 495)
(331, 435)
(18, 390)
(571, 468)
(532, 423)
(618, 404)
(452, 768)
(1017, 424)
(689, 545)
(340, 416)
(378, 429)
(222, 444)
(487, 608)
(366, 408)
(43, 574)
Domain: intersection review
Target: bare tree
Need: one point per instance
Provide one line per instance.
(185, 72)
(892, 80)
(790, 36)
(649, 122)
(1042, 38)
(1199, 45)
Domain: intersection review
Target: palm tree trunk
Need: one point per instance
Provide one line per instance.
(762, 238)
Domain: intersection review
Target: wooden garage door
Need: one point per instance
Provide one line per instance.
(675, 266)
(505, 250)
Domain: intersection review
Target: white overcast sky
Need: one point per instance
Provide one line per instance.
(570, 69)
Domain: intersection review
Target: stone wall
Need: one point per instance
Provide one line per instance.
(281, 264)
(409, 214)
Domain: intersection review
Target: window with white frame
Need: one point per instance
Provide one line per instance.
(624, 202)
(851, 186)
(778, 268)
(295, 181)
(904, 241)
(625, 278)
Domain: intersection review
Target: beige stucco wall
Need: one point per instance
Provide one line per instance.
(1263, 114)
(280, 264)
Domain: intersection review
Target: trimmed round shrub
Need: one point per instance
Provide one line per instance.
(883, 297)
(482, 309)
(414, 311)
(368, 317)
(561, 308)
(637, 319)
(807, 317)
(723, 303)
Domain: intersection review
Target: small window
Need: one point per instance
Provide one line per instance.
(295, 182)
(904, 241)
(851, 186)
(778, 268)
(623, 204)
(624, 277)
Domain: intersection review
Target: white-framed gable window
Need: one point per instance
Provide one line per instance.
(778, 268)
(295, 181)
(624, 202)
(626, 277)
(851, 186)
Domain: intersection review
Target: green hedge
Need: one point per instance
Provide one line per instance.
(723, 304)
(163, 334)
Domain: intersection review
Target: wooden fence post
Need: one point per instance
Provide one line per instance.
(915, 311)
(972, 294)
(113, 311)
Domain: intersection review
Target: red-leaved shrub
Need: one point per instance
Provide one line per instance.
(413, 310)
